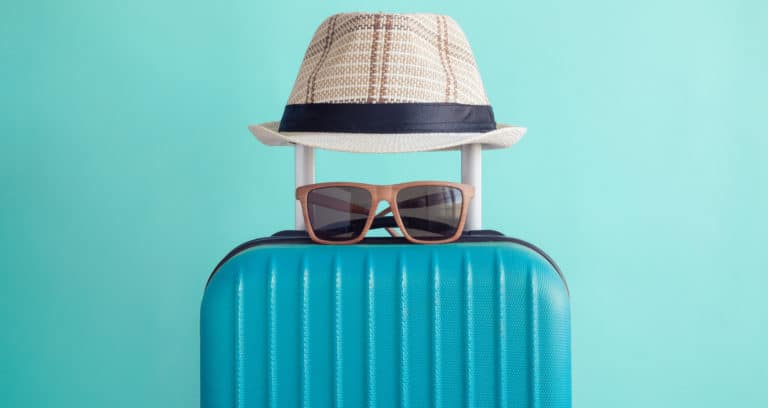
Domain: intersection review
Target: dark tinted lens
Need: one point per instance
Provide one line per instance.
(338, 213)
(430, 213)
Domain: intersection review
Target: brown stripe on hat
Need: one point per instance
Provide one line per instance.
(373, 68)
(388, 25)
(326, 47)
(452, 76)
(442, 58)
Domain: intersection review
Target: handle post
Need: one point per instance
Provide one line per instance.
(472, 174)
(304, 168)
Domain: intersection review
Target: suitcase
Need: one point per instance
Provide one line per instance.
(480, 322)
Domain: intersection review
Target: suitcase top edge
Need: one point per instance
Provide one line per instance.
(301, 238)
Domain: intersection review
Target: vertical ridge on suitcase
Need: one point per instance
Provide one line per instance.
(453, 325)
(370, 345)
(436, 381)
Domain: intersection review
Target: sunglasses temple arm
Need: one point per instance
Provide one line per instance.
(428, 225)
(392, 232)
(414, 222)
(341, 227)
(434, 199)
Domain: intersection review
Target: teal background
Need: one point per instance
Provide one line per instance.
(127, 172)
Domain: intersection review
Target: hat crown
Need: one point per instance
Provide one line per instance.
(367, 58)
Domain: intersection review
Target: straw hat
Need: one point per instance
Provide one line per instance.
(387, 83)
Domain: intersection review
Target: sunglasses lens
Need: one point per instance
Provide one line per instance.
(430, 213)
(338, 213)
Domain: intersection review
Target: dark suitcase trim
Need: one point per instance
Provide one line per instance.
(301, 237)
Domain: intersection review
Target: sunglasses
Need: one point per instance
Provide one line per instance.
(429, 212)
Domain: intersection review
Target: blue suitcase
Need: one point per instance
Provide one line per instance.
(482, 322)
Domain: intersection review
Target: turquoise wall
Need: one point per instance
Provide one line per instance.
(127, 172)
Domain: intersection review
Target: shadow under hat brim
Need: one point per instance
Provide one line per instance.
(504, 136)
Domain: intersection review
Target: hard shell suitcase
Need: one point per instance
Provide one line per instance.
(483, 322)
(480, 322)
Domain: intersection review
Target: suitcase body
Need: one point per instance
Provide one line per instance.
(482, 322)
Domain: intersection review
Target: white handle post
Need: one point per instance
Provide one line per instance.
(472, 174)
(304, 165)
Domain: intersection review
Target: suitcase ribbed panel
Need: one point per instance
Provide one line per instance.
(457, 325)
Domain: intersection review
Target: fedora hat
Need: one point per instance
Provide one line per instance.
(388, 83)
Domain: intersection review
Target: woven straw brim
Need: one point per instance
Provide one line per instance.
(503, 136)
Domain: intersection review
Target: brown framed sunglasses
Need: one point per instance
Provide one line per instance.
(426, 212)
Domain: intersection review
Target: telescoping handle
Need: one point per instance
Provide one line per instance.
(471, 173)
